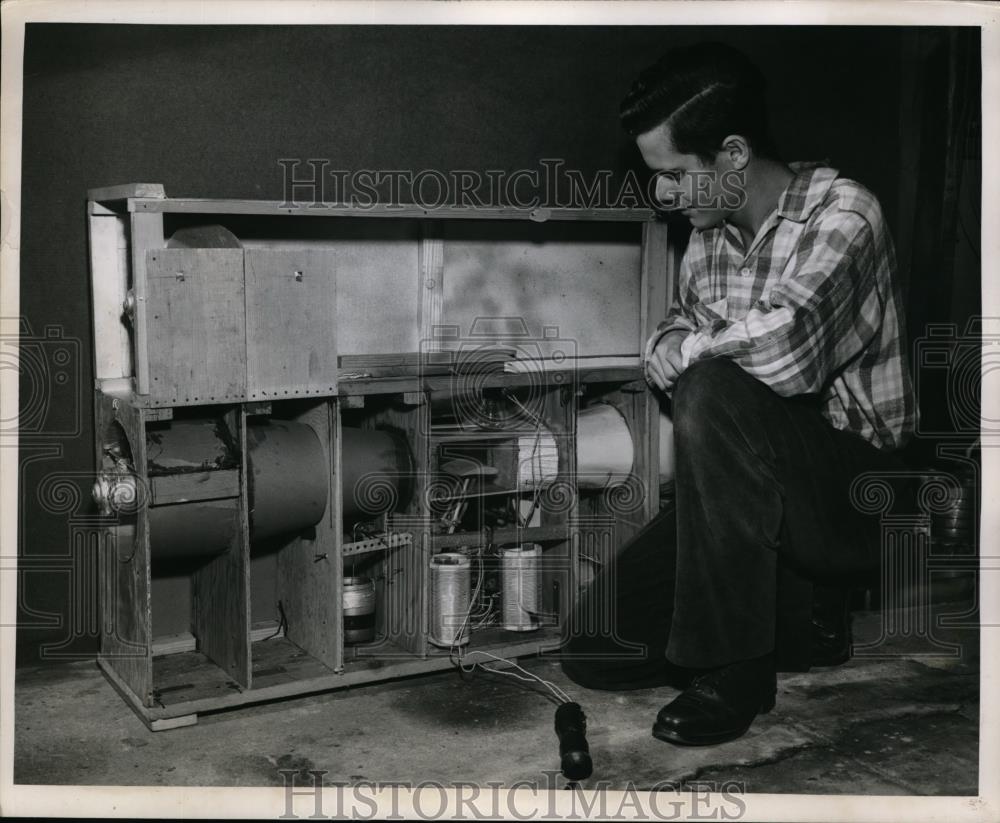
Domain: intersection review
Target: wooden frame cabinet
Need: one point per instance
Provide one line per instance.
(223, 562)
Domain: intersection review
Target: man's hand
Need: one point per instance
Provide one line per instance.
(664, 365)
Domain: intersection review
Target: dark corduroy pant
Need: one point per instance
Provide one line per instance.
(762, 510)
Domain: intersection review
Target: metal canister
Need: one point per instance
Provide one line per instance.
(359, 610)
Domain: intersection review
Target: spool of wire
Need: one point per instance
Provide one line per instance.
(359, 610)
(519, 580)
(451, 577)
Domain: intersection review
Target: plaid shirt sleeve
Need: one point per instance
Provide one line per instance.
(677, 318)
(823, 311)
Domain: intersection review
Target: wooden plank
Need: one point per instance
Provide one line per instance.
(109, 283)
(401, 606)
(125, 691)
(430, 288)
(335, 514)
(145, 235)
(187, 642)
(190, 205)
(310, 583)
(183, 488)
(168, 723)
(196, 326)
(304, 675)
(221, 587)
(659, 275)
(546, 533)
(401, 385)
(126, 191)
(291, 329)
(125, 566)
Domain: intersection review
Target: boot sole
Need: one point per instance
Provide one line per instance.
(670, 735)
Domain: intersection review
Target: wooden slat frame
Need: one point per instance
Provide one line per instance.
(221, 587)
(191, 205)
(658, 283)
(310, 582)
(145, 234)
(430, 286)
(109, 285)
(126, 591)
(405, 569)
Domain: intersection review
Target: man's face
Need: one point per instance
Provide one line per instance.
(701, 192)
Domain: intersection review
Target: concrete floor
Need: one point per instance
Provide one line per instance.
(904, 724)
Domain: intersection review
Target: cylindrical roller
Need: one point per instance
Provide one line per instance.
(182, 530)
(604, 449)
(377, 472)
(289, 478)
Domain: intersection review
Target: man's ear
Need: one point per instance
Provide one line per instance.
(737, 151)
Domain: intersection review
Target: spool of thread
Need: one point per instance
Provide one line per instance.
(359, 610)
(520, 584)
(451, 578)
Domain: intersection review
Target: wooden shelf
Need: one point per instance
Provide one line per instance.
(442, 383)
(197, 205)
(513, 534)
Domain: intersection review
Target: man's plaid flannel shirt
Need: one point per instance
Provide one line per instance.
(812, 307)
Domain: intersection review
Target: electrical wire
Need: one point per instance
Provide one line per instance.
(458, 656)
(530, 677)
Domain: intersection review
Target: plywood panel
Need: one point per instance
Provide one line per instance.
(403, 603)
(221, 588)
(109, 280)
(196, 325)
(376, 277)
(146, 236)
(582, 278)
(291, 310)
(309, 569)
(126, 604)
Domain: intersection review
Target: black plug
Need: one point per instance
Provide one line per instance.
(574, 753)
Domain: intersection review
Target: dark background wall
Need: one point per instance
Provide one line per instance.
(209, 111)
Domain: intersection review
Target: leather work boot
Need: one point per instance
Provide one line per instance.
(719, 705)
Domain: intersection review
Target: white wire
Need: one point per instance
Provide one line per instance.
(455, 647)
(558, 692)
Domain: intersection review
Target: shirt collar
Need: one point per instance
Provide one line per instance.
(807, 190)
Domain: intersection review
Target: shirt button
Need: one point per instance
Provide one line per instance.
(745, 272)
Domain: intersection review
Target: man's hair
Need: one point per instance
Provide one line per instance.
(704, 93)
